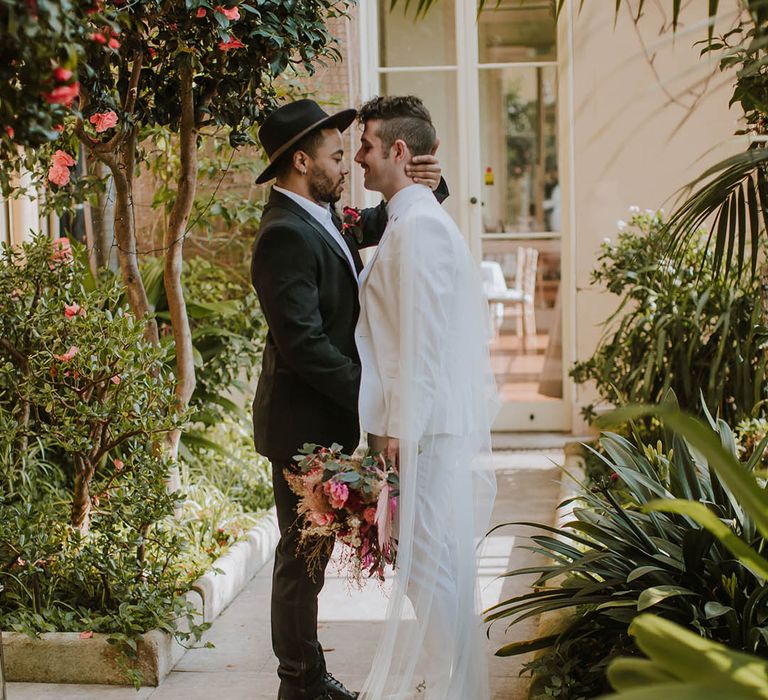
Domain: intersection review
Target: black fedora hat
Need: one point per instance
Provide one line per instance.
(292, 122)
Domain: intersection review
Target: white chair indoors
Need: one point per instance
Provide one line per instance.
(520, 297)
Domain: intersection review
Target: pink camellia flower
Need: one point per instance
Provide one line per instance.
(72, 310)
(103, 120)
(68, 355)
(62, 250)
(369, 515)
(61, 75)
(321, 519)
(115, 379)
(9, 130)
(200, 12)
(63, 95)
(99, 38)
(58, 175)
(337, 493)
(231, 13)
(119, 465)
(231, 44)
(113, 44)
(64, 160)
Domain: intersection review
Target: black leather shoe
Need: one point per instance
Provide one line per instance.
(335, 689)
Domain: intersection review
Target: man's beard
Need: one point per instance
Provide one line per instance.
(323, 189)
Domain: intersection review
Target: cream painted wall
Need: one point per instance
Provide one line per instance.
(635, 142)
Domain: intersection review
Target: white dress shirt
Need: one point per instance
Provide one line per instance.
(321, 214)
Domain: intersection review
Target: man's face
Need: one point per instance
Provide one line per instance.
(371, 156)
(326, 169)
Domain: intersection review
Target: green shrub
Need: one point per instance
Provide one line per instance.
(88, 541)
(678, 326)
(615, 560)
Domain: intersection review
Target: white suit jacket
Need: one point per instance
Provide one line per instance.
(422, 244)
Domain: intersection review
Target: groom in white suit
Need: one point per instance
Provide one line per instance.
(427, 399)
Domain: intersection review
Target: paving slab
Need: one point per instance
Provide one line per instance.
(242, 666)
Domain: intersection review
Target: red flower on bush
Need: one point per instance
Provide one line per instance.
(74, 309)
(231, 13)
(9, 130)
(61, 75)
(113, 44)
(68, 355)
(230, 44)
(58, 173)
(103, 120)
(63, 95)
(62, 251)
(99, 38)
(200, 12)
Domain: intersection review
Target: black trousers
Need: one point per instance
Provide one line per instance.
(294, 602)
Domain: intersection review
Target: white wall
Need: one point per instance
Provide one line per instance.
(635, 139)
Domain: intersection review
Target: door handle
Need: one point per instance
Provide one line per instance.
(473, 200)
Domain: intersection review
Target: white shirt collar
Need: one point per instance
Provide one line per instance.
(321, 212)
(403, 199)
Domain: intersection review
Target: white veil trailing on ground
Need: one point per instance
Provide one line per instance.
(433, 644)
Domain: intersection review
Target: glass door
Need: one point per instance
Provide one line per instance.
(490, 81)
(520, 213)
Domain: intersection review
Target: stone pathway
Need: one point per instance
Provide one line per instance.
(242, 666)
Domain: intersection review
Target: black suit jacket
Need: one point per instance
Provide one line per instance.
(310, 374)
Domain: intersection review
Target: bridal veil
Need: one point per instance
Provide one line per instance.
(433, 646)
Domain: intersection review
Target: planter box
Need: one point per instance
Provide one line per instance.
(63, 657)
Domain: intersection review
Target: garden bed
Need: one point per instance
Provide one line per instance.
(72, 657)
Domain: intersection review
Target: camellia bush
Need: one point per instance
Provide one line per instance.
(88, 539)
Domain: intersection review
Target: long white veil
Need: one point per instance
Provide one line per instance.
(433, 644)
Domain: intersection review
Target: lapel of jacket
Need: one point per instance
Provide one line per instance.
(366, 273)
(278, 199)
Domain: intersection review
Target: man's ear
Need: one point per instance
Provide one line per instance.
(436, 146)
(401, 151)
(301, 161)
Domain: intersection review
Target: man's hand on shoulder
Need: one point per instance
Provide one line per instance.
(424, 170)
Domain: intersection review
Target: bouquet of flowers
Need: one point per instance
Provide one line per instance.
(350, 499)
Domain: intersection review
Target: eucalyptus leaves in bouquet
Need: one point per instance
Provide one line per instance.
(678, 326)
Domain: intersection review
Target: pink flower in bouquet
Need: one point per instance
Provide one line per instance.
(369, 515)
(103, 120)
(231, 13)
(320, 519)
(337, 493)
(64, 160)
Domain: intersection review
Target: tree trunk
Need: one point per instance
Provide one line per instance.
(125, 234)
(173, 242)
(101, 243)
(2, 669)
(81, 500)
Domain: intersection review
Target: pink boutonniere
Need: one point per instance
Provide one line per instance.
(350, 223)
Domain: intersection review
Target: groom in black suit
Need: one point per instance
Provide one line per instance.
(304, 269)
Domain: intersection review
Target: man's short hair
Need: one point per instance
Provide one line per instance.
(403, 118)
(309, 144)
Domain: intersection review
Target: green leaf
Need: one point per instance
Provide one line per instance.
(657, 594)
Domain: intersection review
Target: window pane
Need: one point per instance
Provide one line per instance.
(427, 41)
(517, 31)
(437, 89)
(521, 279)
(518, 114)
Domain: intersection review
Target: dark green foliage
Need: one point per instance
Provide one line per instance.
(614, 559)
(679, 326)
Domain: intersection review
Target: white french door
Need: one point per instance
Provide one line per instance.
(492, 83)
